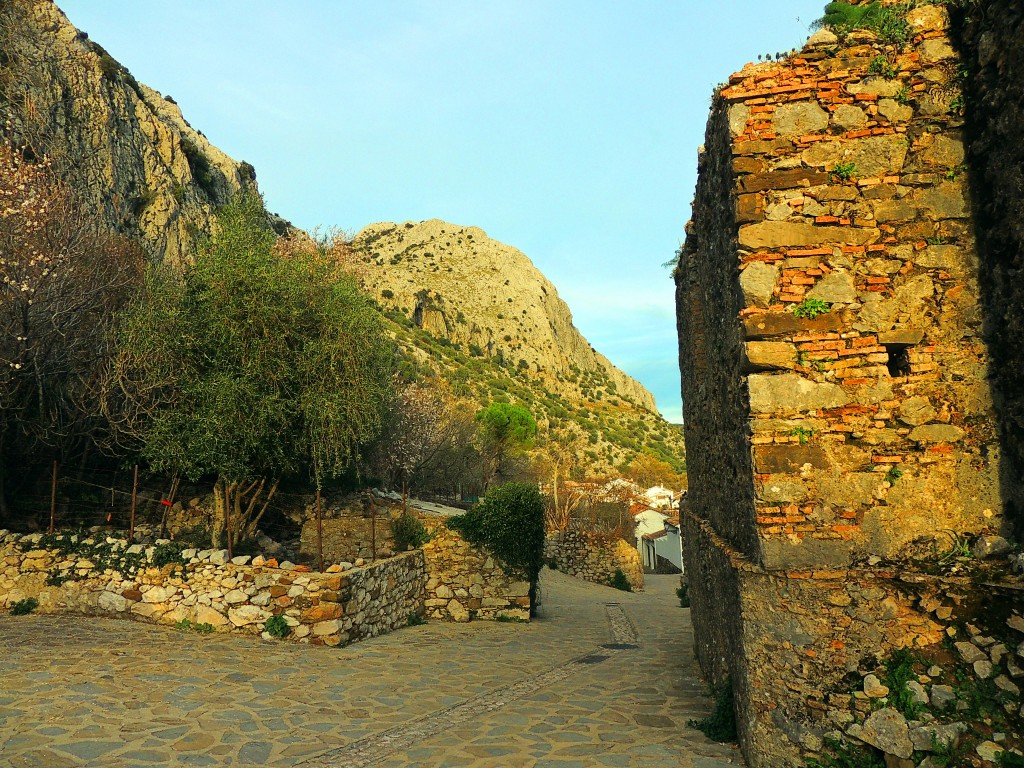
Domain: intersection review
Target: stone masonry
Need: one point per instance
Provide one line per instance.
(594, 557)
(448, 579)
(838, 405)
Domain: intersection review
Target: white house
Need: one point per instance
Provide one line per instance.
(657, 530)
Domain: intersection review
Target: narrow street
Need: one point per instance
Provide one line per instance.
(602, 678)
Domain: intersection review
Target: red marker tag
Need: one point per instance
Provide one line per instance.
(165, 502)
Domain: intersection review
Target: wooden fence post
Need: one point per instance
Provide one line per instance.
(319, 531)
(135, 496)
(53, 497)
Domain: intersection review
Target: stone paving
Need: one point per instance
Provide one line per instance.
(587, 684)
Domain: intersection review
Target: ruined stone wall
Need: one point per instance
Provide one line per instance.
(594, 557)
(836, 378)
(989, 37)
(350, 536)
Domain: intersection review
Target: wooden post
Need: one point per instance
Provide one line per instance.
(53, 497)
(227, 517)
(135, 495)
(373, 526)
(319, 531)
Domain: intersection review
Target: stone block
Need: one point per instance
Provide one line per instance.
(871, 156)
(770, 354)
(787, 459)
(321, 612)
(757, 281)
(782, 234)
(936, 433)
(786, 324)
(836, 288)
(323, 628)
(790, 178)
(792, 393)
(799, 118)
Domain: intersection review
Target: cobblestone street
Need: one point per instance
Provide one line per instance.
(602, 678)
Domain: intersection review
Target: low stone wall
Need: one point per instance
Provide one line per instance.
(465, 582)
(593, 557)
(332, 608)
(350, 536)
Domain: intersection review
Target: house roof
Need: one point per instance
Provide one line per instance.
(657, 535)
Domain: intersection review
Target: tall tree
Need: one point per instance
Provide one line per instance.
(254, 365)
(505, 429)
(61, 284)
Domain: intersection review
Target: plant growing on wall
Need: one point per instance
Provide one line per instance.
(810, 308)
(889, 22)
(844, 171)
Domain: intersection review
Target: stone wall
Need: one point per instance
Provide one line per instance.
(989, 40)
(836, 376)
(801, 657)
(350, 534)
(330, 608)
(594, 557)
(464, 582)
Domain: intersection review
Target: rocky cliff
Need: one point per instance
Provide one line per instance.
(481, 313)
(461, 285)
(461, 304)
(122, 145)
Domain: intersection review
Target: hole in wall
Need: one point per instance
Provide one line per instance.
(898, 361)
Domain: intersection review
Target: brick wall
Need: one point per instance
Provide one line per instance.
(836, 376)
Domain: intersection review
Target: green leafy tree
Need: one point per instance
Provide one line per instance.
(509, 521)
(505, 429)
(256, 364)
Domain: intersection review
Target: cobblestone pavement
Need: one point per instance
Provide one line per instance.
(587, 684)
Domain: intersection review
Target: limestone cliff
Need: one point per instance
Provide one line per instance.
(482, 313)
(459, 284)
(125, 147)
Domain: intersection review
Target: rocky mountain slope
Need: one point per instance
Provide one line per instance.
(123, 145)
(481, 313)
(462, 305)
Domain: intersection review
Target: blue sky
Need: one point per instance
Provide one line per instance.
(566, 128)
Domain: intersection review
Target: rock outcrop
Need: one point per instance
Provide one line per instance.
(458, 284)
(123, 146)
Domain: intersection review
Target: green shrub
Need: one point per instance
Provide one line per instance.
(278, 627)
(509, 521)
(415, 620)
(888, 22)
(683, 593)
(24, 607)
(619, 581)
(720, 725)
(408, 532)
(166, 554)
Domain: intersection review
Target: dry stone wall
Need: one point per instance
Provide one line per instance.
(837, 375)
(594, 557)
(465, 582)
(448, 579)
(239, 595)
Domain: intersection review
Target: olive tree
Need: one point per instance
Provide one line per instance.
(252, 365)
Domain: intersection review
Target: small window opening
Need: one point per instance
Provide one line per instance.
(899, 359)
